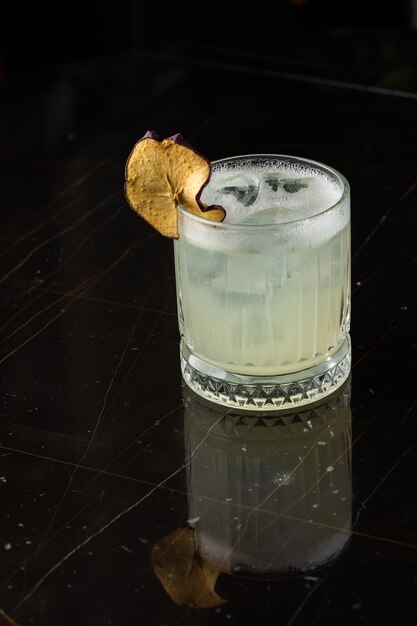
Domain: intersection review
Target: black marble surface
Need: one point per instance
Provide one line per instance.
(106, 462)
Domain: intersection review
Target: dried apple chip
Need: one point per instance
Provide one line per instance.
(161, 175)
(186, 577)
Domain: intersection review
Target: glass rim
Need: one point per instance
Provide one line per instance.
(344, 185)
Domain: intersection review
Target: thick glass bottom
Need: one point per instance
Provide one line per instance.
(267, 392)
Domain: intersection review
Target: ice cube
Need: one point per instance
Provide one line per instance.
(290, 185)
(274, 181)
(245, 195)
(243, 186)
(270, 216)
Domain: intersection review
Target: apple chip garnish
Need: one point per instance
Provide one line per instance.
(163, 174)
(186, 577)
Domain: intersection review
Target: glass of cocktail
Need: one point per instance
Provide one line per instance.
(264, 296)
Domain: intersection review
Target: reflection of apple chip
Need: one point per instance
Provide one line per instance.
(186, 578)
(160, 175)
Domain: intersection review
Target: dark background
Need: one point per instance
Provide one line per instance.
(92, 440)
(37, 36)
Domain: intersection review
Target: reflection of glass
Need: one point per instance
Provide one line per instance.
(269, 494)
(263, 297)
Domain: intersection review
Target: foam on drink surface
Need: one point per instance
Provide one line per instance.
(271, 193)
(291, 197)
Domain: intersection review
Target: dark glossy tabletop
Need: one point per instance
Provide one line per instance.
(106, 461)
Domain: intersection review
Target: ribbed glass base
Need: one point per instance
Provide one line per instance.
(269, 392)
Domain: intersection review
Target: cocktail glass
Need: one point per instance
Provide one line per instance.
(264, 299)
